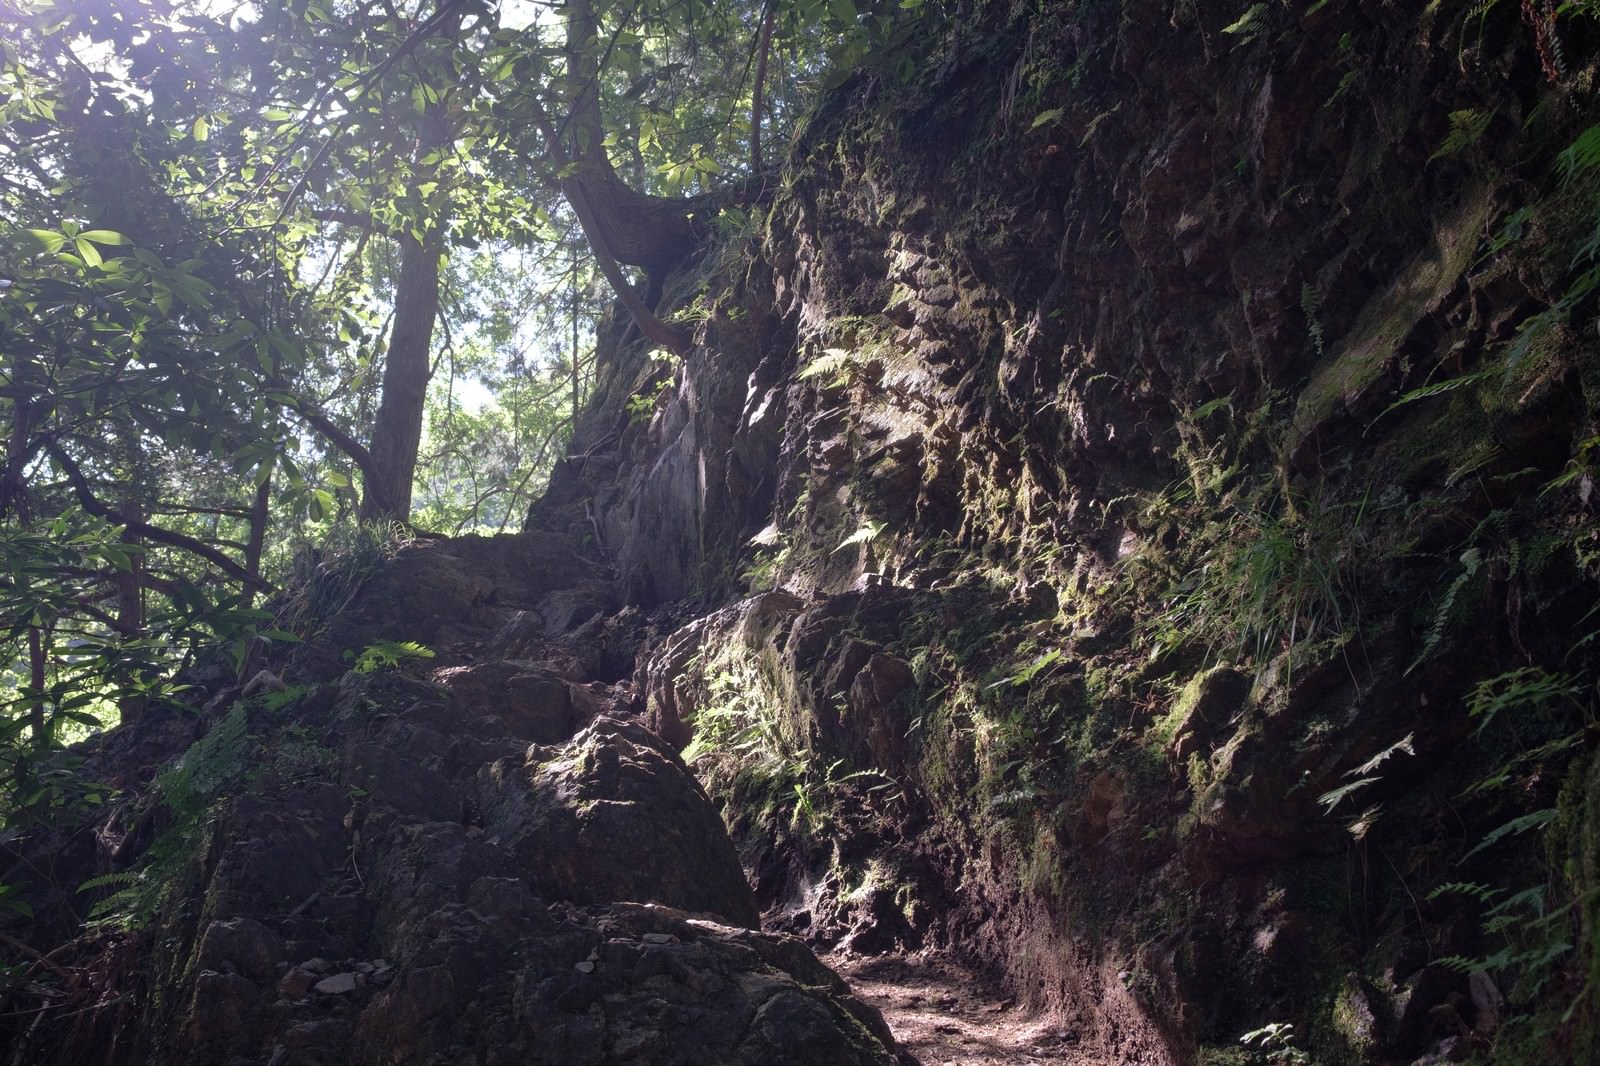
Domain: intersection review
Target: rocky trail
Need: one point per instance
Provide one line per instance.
(946, 1014)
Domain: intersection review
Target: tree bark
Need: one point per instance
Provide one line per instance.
(130, 585)
(36, 679)
(407, 368)
(654, 232)
(260, 514)
(397, 433)
(757, 91)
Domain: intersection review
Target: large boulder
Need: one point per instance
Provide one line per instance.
(615, 815)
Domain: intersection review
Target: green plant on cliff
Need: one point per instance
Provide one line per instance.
(186, 792)
(386, 655)
(1577, 194)
(739, 718)
(1267, 578)
(1275, 1043)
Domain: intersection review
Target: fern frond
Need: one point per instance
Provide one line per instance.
(830, 363)
(1517, 826)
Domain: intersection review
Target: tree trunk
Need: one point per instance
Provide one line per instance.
(260, 513)
(130, 602)
(37, 721)
(757, 91)
(397, 433)
(653, 232)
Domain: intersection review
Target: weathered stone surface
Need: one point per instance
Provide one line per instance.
(1078, 229)
(673, 674)
(242, 946)
(424, 864)
(628, 983)
(615, 815)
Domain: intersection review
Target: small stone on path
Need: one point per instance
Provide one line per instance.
(337, 985)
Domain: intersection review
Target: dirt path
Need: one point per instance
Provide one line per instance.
(948, 1015)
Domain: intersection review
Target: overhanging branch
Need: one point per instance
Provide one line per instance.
(93, 505)
(669, 337)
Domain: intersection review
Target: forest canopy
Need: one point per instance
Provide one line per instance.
(268, 271)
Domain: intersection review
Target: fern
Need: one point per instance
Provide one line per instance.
(1330, 800)
(1579, 157)
(832, 363)
(387, 654)
(1526, 688)
(1310, 304)
(866, 534)
(1365, 775)
(1211, 407)
(188, 788)
(216, 759)
(1474, 889)
(1471, 563)
(1438, 388)
(1517, 826)
(1466, 129)
(1405, 744)
(128, 906)
(1248, 25)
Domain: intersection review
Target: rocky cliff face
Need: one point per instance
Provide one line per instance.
(1137, 470)
(445, 841)
(1126, 517)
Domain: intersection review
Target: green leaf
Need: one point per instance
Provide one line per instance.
(1466, 128)
(830, 361)
(51, 240)
(1211, 407)
(1515, 827)
(1330, 800)
(867, 533)
(1439, 388)
(1044, 118)
(1404, 745)
(104, 236)
(1249, 23)
(201, 129)
(89, 253)
(1580, 156)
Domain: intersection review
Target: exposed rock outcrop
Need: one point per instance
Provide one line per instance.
(1128, 517)
(1169, 435)
(469, 854)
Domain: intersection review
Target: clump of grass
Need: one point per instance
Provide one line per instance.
(1266, 579)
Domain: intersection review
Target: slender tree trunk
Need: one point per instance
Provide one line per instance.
(36, 678)
(130, 582)
(757, 92)
(397, 433)
(407, 368)
(577, 388)
(256, 542)
(130, 606)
